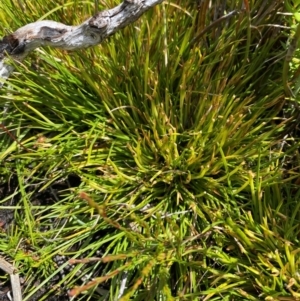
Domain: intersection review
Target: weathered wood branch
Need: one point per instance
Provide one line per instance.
(14, 278)
(50, 33)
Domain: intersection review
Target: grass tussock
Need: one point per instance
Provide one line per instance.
(165, 160)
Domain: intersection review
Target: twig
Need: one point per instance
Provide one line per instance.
(123, 284)
(14, 279)
(2, 126)
(50, 33)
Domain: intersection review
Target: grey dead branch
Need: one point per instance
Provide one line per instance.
(14, 279)
(50, 33)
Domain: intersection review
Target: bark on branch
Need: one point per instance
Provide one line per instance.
(91, 32)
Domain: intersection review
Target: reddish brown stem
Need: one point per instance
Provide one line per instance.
(13, 137)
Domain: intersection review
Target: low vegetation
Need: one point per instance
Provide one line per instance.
(161, 165)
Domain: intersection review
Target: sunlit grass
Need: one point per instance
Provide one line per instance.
(175, 127)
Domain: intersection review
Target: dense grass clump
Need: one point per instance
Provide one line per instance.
(163, 163)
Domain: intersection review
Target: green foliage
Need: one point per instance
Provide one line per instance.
(176, 129)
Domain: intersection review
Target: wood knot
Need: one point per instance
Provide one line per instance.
(11, 45)
(100, 20)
